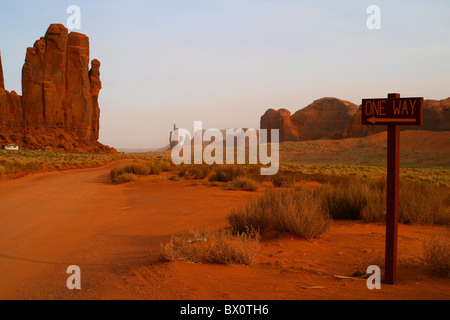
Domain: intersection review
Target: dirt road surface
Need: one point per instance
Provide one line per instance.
(49, 221)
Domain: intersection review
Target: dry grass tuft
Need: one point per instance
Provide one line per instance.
(137, 168)
(436, 254)
(212, 246)
(295, 210)
(243, 183)
(283, 180)
(123, 178)
(194, 171)
(228, 172)
(422, 203)
(345, 202)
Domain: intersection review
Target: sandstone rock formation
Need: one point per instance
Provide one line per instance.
(436, 117)
(59, 103)
(332, 118)
(324, 118)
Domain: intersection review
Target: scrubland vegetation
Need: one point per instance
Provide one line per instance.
(294, 210)
(243, 183)
(212, 246)
(140, 167)
(436, 254)
(343, 193)
(339, 192)
(21, 162)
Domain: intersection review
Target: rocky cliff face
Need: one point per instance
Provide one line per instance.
(59, 103)
(436, 117)
(324, 118)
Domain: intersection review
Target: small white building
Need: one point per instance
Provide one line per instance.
(11, 147)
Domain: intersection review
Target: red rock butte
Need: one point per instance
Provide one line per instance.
(59, 107)
(332, 118)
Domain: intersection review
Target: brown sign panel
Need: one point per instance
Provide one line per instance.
(392, 111)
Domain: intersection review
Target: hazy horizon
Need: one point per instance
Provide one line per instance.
(227, 62)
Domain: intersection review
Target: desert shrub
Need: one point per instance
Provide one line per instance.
(436, 254)
(194, 171)
(424, 204)
(138, 168)
(375, 209)
(253, 171)
(283, 180)
(155, 168)
(344, 202)
(294, 210)
(225, 173)
(166, 165)
(212, 246)
(419, 203)
(123, 178)
(243, 183)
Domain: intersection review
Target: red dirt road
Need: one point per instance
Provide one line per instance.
(52, 220)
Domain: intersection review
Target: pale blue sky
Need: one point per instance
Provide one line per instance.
(226, 61)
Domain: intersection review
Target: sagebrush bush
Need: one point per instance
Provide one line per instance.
(166, 165)
(123, 178)
(195, 171)
(283, 180)
(138, 168)
(366, 200)
(155, 168)
(436, 254)
(344, 202)
(212, 246)
(294, 210)
(424, 204)
(243, 183)
(227, 172)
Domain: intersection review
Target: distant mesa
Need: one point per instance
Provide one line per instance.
(324, 118)
(332, 118)
(59, 107)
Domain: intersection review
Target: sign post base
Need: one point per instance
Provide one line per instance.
(392, 202)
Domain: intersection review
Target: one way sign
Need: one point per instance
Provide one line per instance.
(393, 112)
(399, 111)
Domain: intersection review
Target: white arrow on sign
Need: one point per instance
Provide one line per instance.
(374, 120)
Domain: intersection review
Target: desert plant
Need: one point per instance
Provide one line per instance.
(123, 178)
(344, 202)
(212, 246)
(424, 204)
(294, 210)
(138, 168)
(283, 180)
(166, 165)
(225, 173)
(155, 168)
(194, 171)
(243, 183)
(436, 254)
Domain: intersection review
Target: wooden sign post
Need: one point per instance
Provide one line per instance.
(393, 112)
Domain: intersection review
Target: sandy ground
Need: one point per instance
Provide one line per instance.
(49, 221)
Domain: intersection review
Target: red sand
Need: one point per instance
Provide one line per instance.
(49, 221)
